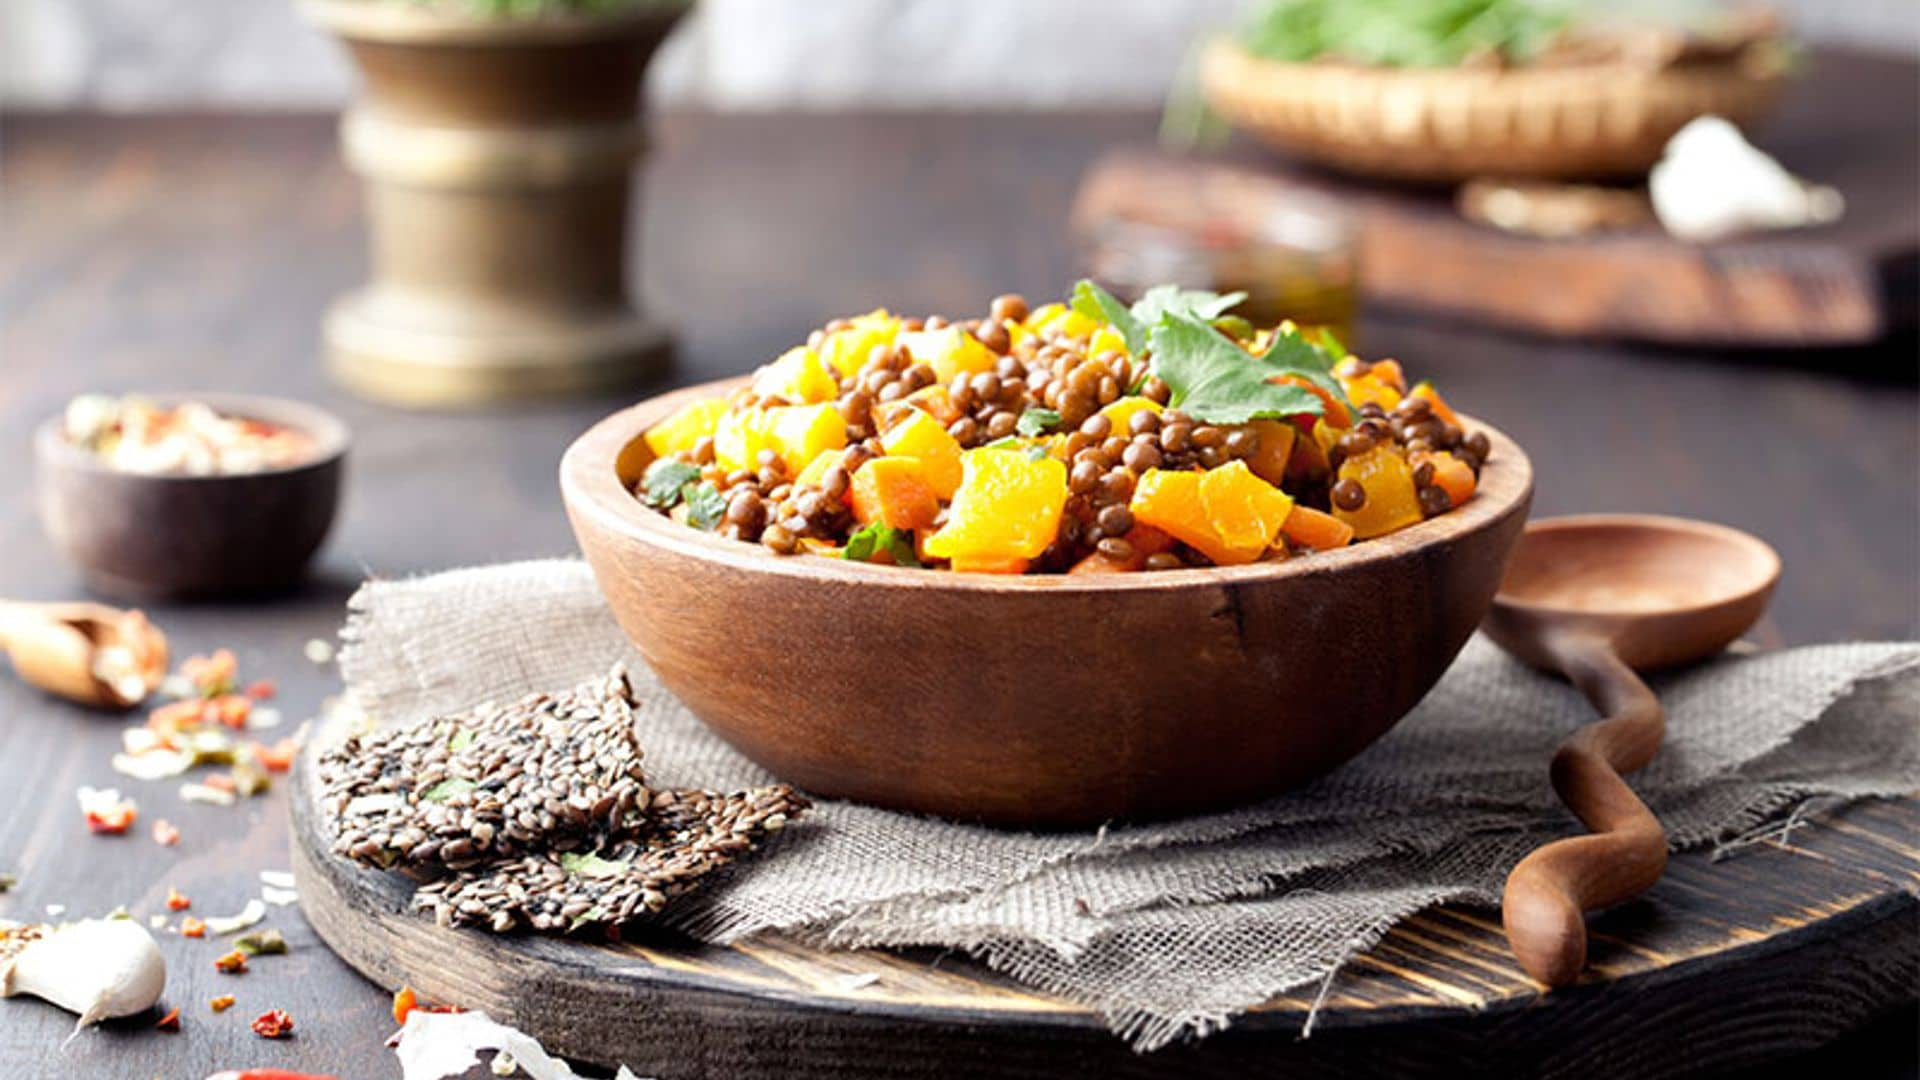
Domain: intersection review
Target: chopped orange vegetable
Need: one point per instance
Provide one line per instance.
(212, 675)
(1276, 437)
(192, 927)
(1335, 413)
(1453, 476)
(1392, 502)
(924, 437)
(738, 438)
(687, 426)
(1309, 528)
(278, 757)
(1440, 407)
(800, 433)
(798, 377)
(895, 491)
(846, 350)
(1008, 507)
(815, 474)
(177, 901)
(221, 1003)
(950, 351)
(1388, 371)
(404, 1002)
(1227, 514)
(233, 963)
(1370, 389)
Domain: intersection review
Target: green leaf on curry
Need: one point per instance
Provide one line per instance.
(1036, 421)
(705, 505)
(863, 545)
(1136, 324)
(1216, 381)
(661, 485)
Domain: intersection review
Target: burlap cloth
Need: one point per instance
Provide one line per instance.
(1171, 929)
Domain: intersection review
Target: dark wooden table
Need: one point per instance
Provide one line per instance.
(197, 252)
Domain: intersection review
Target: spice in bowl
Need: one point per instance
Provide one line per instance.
(1087, 436)
(132, 434)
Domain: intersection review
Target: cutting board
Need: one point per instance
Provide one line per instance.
(1723, 964)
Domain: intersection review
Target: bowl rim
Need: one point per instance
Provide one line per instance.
(329, 433)
(590, 487)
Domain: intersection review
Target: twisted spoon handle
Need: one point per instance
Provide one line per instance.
(1548, 892)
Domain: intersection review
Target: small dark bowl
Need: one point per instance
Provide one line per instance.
(142, 537)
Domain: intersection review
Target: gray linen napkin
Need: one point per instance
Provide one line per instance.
(1171, 929)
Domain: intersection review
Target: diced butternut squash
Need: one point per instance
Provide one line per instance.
(1392, 503)
(688, 425)
(740, 436)
(800, 433)
(1008, 507)
(1440, 407)
(921, 436)
(894, 491)
(951, 352)
(1269, 462)
(1452, 475)
(1120, 413)
(1370, 388)
(846, 350)
(1389, 372)
(1246, 512)
(799, 376)
(1105, 340)
(1309, 528)
(815, 474)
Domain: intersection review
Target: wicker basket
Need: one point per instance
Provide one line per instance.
(1444, 124)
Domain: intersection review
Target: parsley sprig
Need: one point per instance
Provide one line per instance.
(877, 537)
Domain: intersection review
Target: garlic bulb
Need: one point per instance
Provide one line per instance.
(99, 968)
(1712, 183)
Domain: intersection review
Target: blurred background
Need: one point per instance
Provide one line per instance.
(730, 54)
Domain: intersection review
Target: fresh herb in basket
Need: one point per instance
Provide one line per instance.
(1403, 33)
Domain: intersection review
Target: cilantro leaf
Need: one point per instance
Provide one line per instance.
(1004, 442)
(705, 505)
(447, 789)
(661, 484)
(878, 537)
(1036, 420)
(1198, 304)
(1097, 303)
(1216, 381)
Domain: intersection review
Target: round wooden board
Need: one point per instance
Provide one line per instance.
(1723, 964)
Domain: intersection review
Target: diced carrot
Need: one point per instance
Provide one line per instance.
(278, 757)
(404, 1002)
(895, 490)
(1439, 404)
(1389, 372)
(1310, 528)
(1453, 476)
(177, 901)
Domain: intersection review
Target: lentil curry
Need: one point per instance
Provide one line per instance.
(1087, 436)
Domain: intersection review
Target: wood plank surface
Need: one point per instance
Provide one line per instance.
(199, 251)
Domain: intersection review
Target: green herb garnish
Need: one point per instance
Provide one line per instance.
(877, 537)
(661, 485)
(1403, 33)
(1036, 421)
(590, 865)
(1216, 381)
(705, 505)
(1135, 324)
(1004, 442)
(447, 789)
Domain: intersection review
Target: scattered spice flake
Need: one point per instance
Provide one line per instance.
(274, 1024)
(233, 963)
(275, 758)
(165, 833)
(177, 901)
(169, 1022)
(319, 651)
(261, 943)
(192, 927)
(206, 793)
(404, 1002)
(106, 812)
(261, 689)
(221, 1003)
(232, 924)
(212, 675)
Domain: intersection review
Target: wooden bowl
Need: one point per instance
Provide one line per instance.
(146, 537)
(1450, 124)
(1038, 700)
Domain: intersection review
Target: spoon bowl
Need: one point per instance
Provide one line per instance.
(1599, 598)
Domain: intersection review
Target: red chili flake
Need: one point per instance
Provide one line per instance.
(275, 1024)
(165, 833)
(177, 901)
(261, 689)
(112, 822)
(234, 963)
(169, 1022)
(221, 1003)
(192, 927)
(211, 675)
(404, 1002)
(221, 782)
(278, 757)
(232, 710)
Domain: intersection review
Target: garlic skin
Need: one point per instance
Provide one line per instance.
(1712, 183)
(99, 968)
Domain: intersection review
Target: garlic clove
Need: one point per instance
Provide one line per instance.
(99, 968)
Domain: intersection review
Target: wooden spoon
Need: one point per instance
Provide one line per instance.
(59, 648)
(1598, 598)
